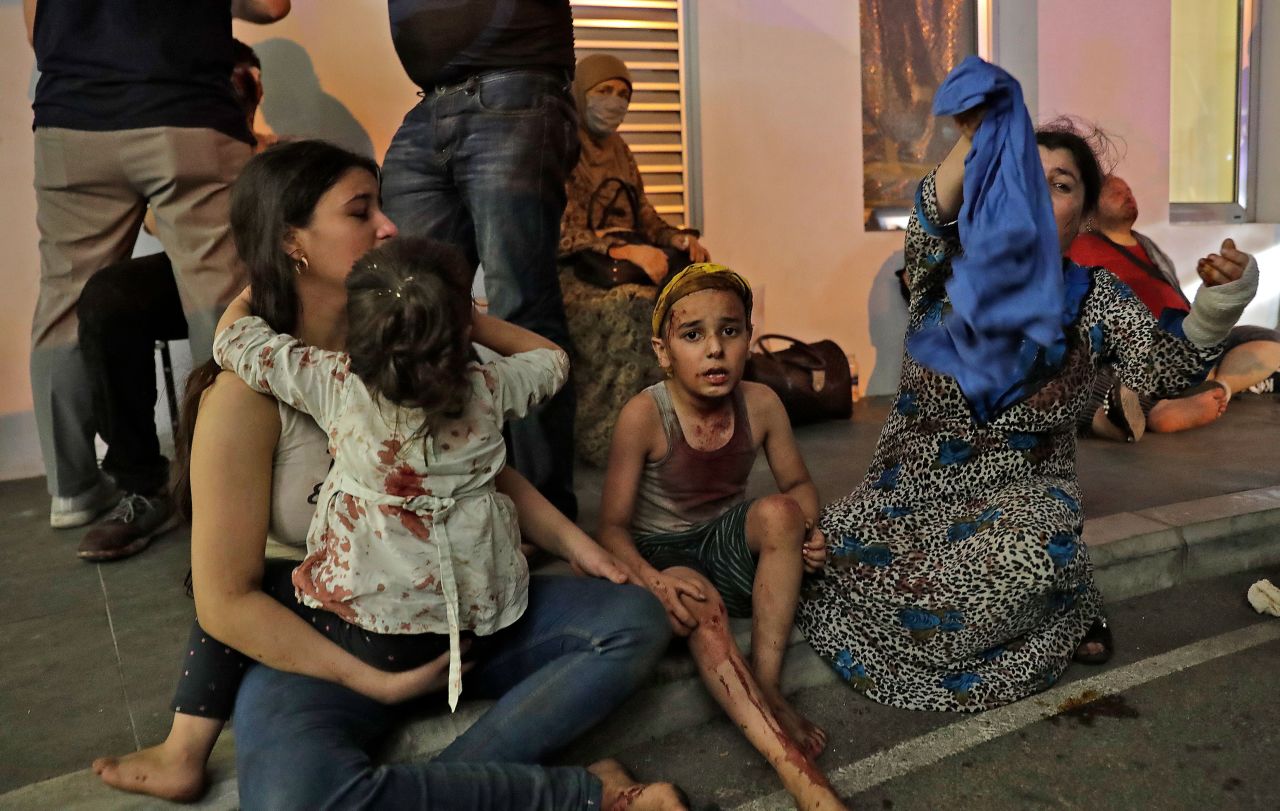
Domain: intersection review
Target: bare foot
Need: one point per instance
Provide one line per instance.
(810, 737)
(623, 793)
(1090, 649)
(1168, 416)
(160, 771)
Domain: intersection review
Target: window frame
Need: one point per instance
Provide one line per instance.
(1244, 207)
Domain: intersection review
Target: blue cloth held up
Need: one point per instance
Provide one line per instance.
(1010, 297)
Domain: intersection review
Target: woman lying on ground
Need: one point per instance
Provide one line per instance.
(957, 579)
(1250, 356)
(307, 718)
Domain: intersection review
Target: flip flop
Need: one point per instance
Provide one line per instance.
(1098, 632)
(1124, 411)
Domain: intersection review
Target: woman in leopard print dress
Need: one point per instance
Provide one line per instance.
(957, 579)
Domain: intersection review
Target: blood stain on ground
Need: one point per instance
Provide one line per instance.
(1091, 705)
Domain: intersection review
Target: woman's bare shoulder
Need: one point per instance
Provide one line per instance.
(231, 403)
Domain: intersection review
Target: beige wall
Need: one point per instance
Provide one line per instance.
(329, 70)
(19, 453)
(779, 101)
(1107, 75)
(779, 97)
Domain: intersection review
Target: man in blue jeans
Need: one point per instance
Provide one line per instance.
(481, 162)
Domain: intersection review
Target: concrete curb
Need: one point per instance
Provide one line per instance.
(1145, 551)
(1134, 553)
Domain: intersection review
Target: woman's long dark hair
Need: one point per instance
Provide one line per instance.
(276, 192)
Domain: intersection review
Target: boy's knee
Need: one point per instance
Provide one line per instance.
(779, 514)
(711, 611)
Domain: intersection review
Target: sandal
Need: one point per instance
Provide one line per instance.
(1124, 411)
(1098, 632)
(1208, 385)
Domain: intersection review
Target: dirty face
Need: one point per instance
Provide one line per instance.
(706, 343)
(1116, 203)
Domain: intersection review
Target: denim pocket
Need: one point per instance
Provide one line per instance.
(518, 93)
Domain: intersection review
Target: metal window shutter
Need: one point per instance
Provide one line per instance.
(648, 35)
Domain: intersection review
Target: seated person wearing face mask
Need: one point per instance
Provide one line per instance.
(607, 212)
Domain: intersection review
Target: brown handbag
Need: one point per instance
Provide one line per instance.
(812, 380)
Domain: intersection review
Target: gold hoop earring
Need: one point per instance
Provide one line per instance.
(300, 263)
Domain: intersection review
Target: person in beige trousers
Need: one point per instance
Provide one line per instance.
(133, 109)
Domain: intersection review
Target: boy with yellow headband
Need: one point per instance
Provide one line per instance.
(675, 510)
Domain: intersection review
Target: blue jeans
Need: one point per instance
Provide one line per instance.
(582, 646)
(482, 165)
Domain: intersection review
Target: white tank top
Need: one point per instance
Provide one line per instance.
(298, 469)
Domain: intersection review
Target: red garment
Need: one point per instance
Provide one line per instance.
(1090, 250)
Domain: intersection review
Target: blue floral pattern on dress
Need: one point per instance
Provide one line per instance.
(1060, 601)
(888, 478)
(1021, 441)
(848, 668)
(1064, 497)
(952, 620)
(917, 619)
(991, 654)
(895, 511)
(852, 671)
(1062, 548)
(1095, 338)
(906, 405)
(848, 545)
(876, 555)
(964, 530)
(954, 451)
(960, 682)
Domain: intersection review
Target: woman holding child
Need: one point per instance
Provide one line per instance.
(957, 578)
(309, 714)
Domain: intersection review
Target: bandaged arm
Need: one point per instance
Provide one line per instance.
(1216, 309)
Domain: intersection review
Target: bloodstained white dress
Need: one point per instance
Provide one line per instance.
(410, 535)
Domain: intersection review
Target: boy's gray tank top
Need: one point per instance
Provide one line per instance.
(688, 487)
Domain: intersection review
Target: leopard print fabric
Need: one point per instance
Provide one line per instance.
(957, 579)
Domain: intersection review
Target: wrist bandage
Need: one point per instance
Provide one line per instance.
(1216, 309)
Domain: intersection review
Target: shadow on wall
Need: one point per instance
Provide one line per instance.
(294, 104)
(887, 313)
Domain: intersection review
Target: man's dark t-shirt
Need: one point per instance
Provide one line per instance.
(126, 64)
(442, 42)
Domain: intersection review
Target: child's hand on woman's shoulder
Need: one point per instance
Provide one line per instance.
(237, 309)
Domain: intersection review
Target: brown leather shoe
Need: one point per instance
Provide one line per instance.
(129, 528)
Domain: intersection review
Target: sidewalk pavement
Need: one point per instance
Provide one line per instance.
(91, 650)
